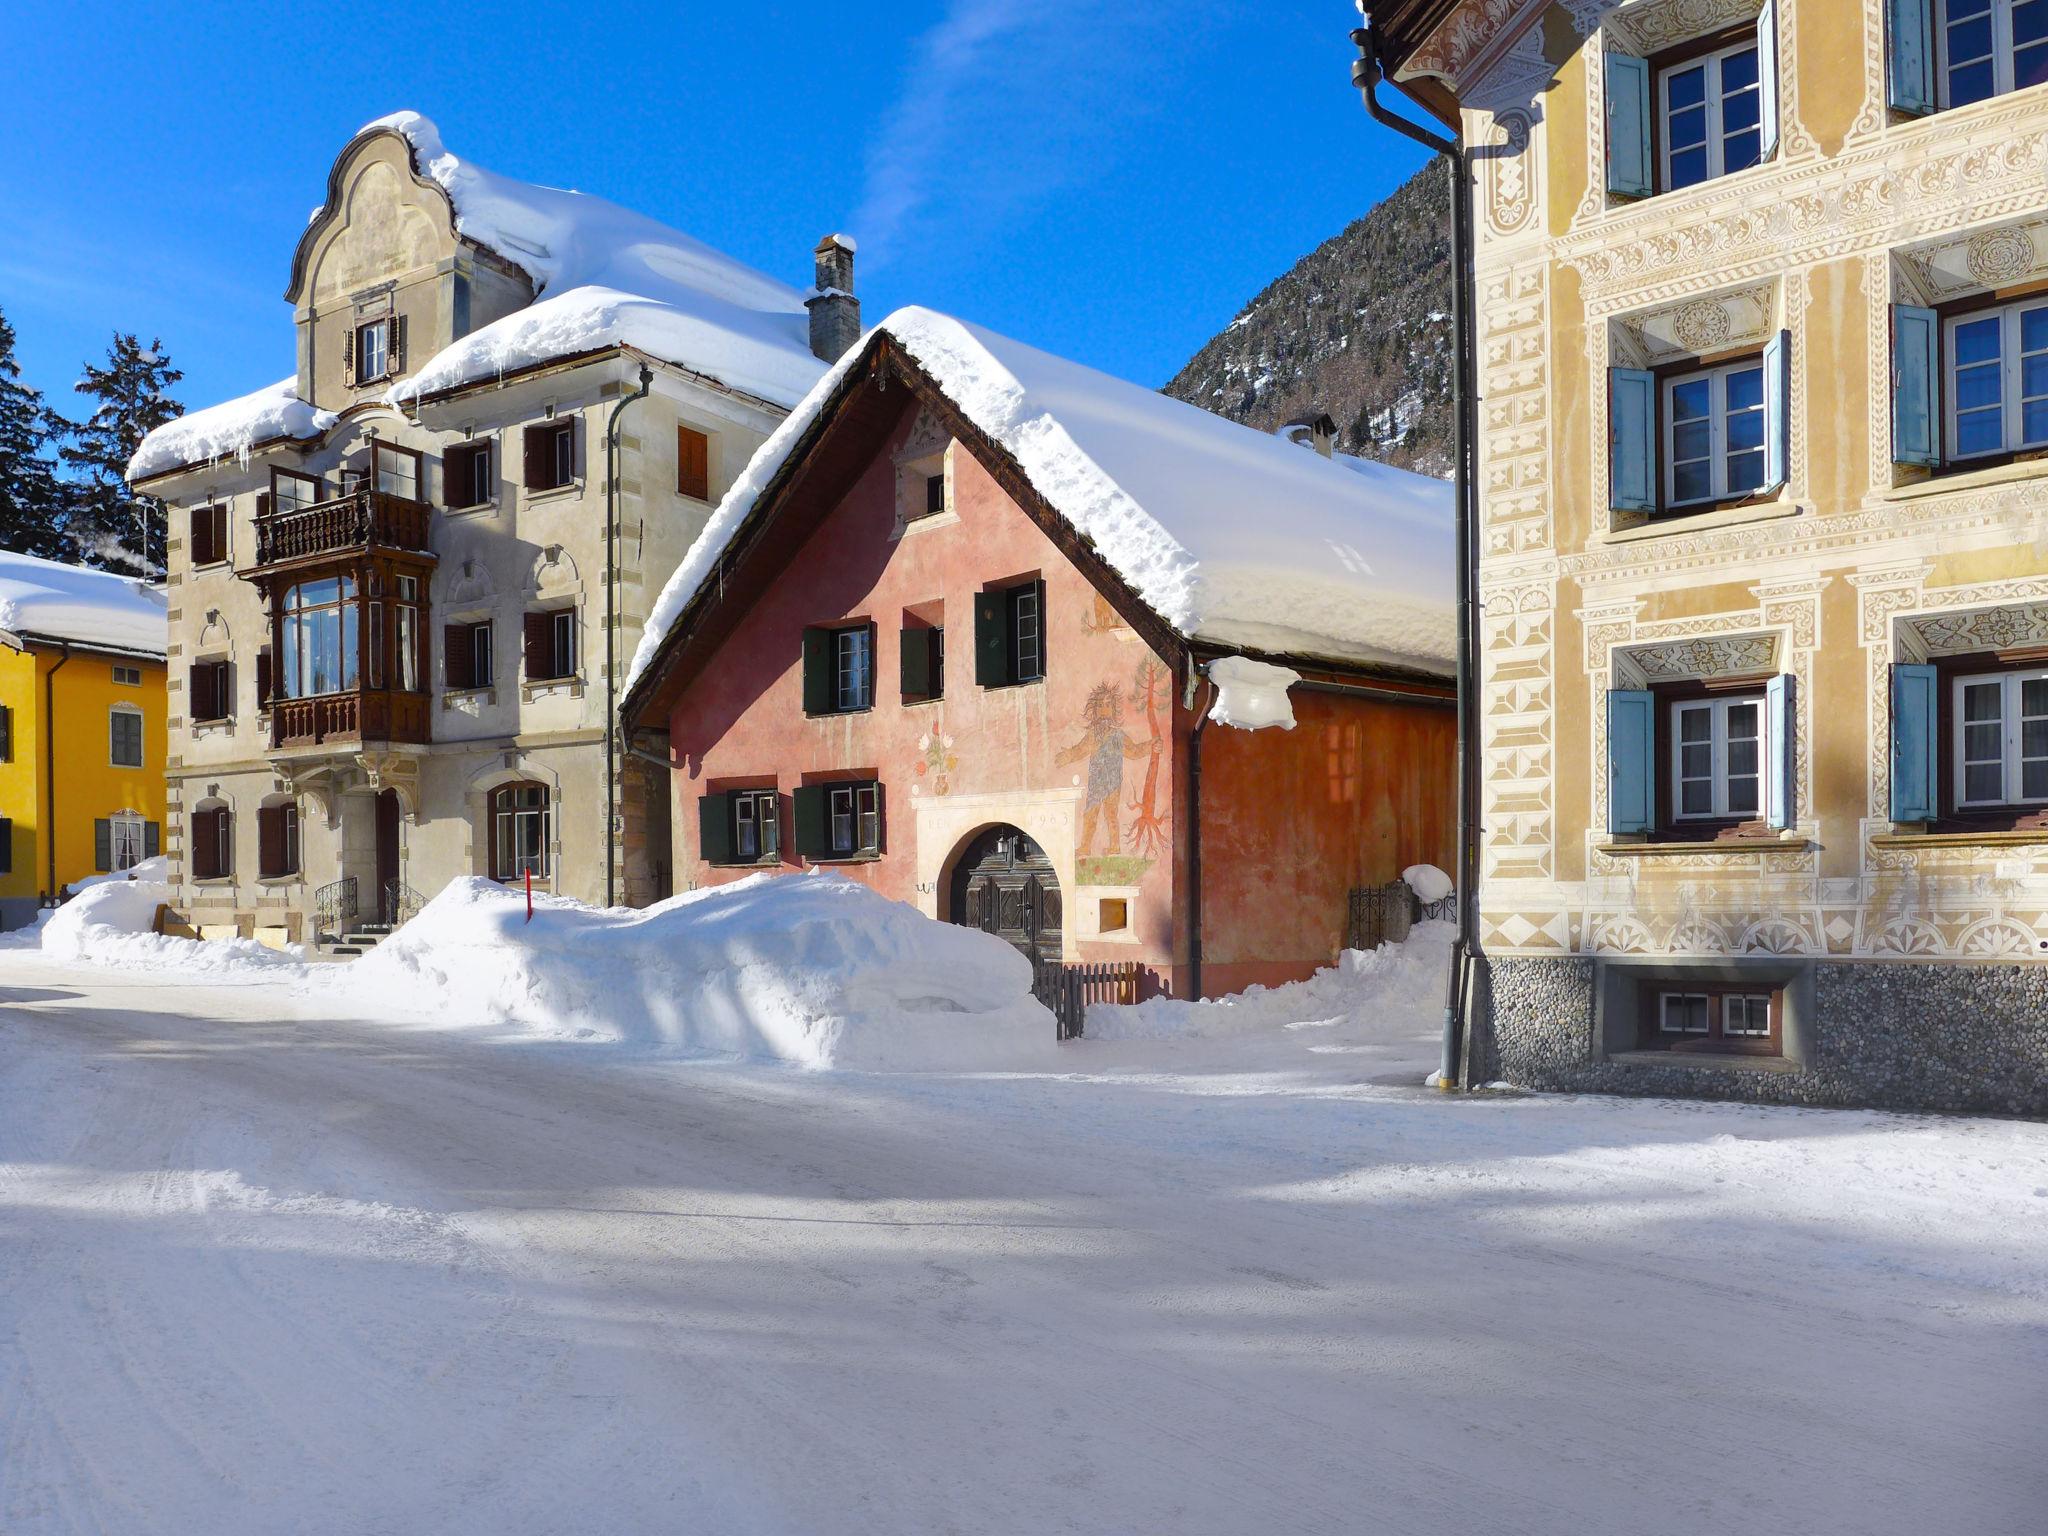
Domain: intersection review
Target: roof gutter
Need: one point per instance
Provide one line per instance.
(1367, 74)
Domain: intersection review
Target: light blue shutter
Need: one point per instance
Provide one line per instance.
(1631, 761)
(1909, 54)
(1915, 739)
(1767, 78)
(1628, 126)
(1778, 706)
(1916, 436)
(1777, 409)
(1632, 431)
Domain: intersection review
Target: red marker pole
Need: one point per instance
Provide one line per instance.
(529, 895)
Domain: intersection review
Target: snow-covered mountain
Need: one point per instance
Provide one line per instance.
(1360, 328)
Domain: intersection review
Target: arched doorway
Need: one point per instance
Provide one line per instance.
(1005, 885)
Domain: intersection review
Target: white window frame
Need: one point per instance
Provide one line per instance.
(2004, 58)
(506, 824)
(129, 711)
(381, 328)
(2011, 775)
(1750, 1003)
(1717, 138)
(1027, 634)
(853, 669)
(483, 660)
(758, 811)
(131, 830)
(2011, 361)
(857, 808)
(1717, 433)
(1665, 1026)
(127, 677)
(1719, 708)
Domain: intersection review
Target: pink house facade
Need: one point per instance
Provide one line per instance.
(893, 655)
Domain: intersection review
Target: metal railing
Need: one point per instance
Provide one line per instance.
(333, 906)
(347, 522)
(401, 902)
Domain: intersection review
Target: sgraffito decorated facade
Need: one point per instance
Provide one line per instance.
(1761, 501)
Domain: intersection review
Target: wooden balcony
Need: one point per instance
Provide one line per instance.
(359, 520)
(349, 719)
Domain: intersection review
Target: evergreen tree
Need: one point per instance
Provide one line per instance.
(108, 524)
(32, 501)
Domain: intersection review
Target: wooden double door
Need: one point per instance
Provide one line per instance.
(1005, 885)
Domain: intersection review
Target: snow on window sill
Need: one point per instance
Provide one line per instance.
(468, 700)
(225, 726)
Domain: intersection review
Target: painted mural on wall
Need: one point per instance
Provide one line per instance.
(936, 761)
(1107, 747)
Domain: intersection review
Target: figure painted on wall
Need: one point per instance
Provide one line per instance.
(1103, 619)
(1105, 747)
(1148, 822)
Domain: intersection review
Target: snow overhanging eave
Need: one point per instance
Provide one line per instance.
(27, 637)
(281, 440)
(568, 361)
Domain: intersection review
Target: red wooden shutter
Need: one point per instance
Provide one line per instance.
(459, 649)
(693, 463)
(201, 683)
(270, 840)
(263, 678)
(220, 530)
(540, 634)
(540, 459)
(202, 536)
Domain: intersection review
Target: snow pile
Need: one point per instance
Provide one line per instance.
(1429, 883)
(1368, 1001)
(156, 871)
(1229, 534)
(1251, 695)
(606, 276)
(228, 430)
(111, 921)
(69, 602)
(817, 970)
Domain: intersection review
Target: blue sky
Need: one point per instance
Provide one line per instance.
(1105, 180)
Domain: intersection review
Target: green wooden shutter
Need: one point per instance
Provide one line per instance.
(714, 829)
(991, 640)
(102, 846)
(813, 822)
(1781, 744)
(152, 839)
(1916, 732)
(819, 694)
(1628, 126)
(1916, 434)
(1909, 55)
(914, 663)
(881, 819)
(1632, 440)
(1767, 79)
(6, 734)
(1777, 409)
(1631, 761)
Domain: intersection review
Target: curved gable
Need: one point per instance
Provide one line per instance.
(381, 220)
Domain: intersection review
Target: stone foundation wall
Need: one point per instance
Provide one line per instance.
(1880, 1035)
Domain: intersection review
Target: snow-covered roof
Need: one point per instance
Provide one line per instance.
(607, 276)
(1233, 536)
(45, 599)
(228, 430)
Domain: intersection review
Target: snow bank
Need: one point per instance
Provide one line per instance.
(228, 430)
(607, 275)
(69, 602)
(1251, 695)
(1366, 999)
(109, 923)
(1229, 534)
(812, 969)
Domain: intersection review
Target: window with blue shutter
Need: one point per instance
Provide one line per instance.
(1631, 756)
(1781, 742)
(1767, 78)
(1628, 126)
(1915, 352)
(1916, 728)
(1909, 55)
(1632, 434)
(1777, 409)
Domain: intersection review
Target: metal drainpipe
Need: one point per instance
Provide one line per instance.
(1195, 846)
(1366, 75)
(50, 761)
(611, 630)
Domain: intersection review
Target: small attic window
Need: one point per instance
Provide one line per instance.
(934, 494)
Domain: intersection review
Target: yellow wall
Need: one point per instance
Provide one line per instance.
(88, 785)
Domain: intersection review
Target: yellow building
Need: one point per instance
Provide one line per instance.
(1762, 496)
(82, 691)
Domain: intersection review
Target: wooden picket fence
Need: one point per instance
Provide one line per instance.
(1068, 989)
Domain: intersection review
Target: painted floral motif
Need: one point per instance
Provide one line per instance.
(938, 761)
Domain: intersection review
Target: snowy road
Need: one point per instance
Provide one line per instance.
(263, 1271)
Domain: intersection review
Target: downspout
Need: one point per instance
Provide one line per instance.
(1367, 74)
(611, 631)
(1195, 837)
(50, 761)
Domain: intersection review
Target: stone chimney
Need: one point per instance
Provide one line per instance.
(1318, 432)
(835, 312)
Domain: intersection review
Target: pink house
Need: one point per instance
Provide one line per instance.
(1044, 652)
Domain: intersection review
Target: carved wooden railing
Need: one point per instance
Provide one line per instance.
(363, 714)
(354, 521)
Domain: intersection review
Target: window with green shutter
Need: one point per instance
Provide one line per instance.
(922, 663)
(839, 669)
(839, 821)
(1009, 635)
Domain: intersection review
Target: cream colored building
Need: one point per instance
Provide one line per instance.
(393, 607)
(1762, 496)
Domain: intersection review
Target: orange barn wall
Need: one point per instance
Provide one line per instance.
(1293, 821)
